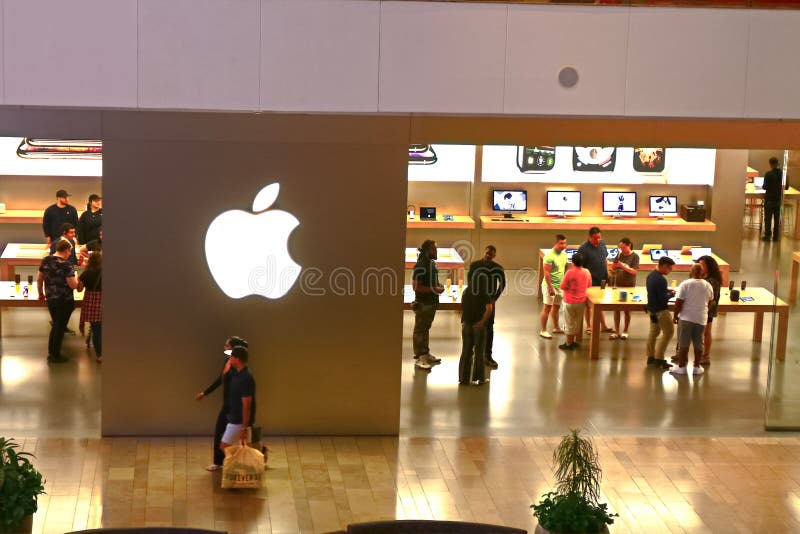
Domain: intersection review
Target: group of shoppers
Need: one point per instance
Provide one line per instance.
(57, 279)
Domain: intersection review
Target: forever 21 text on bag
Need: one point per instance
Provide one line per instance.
(243, 467)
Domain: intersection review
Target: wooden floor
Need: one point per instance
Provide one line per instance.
(318, 484)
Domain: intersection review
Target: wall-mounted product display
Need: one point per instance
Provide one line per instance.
(48, 157)
(610, 165)
(663, 206)
(619, 203)
(442, 163)
(563, 203)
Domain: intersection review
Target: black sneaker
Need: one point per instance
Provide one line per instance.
(574, 345)
(651, 360)
(663, 363)
(565, 346)
(491, 363)
(69, 331)
(765, 238)
(57, 359)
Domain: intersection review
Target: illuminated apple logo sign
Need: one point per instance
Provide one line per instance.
(247, 253)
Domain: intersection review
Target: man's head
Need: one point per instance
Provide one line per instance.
(773, 162)
(235, 341)
(68, 230)
(62, 198)
(63, 248)
(490, 253)
(665, 264)
(595, 236)
(95, 201)
(696, 271)
(625, 245)
(428, 249)
(561, 243)
(239, 357)
(578, 260)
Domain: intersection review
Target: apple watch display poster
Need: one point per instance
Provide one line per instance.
(441, 163)
(649, 160)
(594, 158)
(533, 159)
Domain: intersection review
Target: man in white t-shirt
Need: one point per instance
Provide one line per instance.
(691, 309)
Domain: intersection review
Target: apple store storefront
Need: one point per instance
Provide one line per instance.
(288, 230)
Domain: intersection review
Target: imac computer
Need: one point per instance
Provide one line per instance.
(666, 206)
(509, 201)
(563, 203)
(758, 182)
(619, 203)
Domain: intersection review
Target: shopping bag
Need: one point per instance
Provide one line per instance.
(243, 467)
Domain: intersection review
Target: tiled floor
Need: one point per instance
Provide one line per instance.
(318, 484)
(680, 455)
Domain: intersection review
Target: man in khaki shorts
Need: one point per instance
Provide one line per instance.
(553, 266)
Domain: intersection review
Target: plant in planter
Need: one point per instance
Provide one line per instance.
(574, 506)
(20, 486)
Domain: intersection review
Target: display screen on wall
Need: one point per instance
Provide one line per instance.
(47, 157)
(441, 163)
(606, 165)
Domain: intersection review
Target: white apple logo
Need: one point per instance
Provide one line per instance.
(247, 253)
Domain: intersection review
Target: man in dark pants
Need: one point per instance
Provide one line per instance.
(223, 379)
(493, 277)
(595, 255)
(426, 300)
(773, 198)
(55, 283)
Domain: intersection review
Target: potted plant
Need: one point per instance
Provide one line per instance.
(20, 487)
(573, 507)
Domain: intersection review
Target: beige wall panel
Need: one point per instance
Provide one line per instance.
(327, 365)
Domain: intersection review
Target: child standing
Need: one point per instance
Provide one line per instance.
(574, 285)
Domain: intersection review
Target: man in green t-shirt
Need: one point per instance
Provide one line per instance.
(554, 264)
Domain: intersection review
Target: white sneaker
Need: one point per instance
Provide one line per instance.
(422, 363)
(697, 370)
(545, 334)
(433, 359)
(678, 370)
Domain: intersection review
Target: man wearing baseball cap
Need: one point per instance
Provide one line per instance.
(59, 213)
(91, 220)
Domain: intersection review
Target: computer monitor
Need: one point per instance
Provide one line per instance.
(658, 253)
(699, 252)
(510, 200)
(663, 206)
(562, 203)
(571, 252)
(758, 182)
(619, 203)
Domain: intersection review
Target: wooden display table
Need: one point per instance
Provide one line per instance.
(21, 254)
(459, 221)
(793, 276)
(600, 300)
(449, 258)
(11, 297)
(646, 264)
(639, 224)
(447, 301)
(22, 216)
(791, 194)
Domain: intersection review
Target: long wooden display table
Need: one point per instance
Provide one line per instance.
(793, 276)
(21, 255)
(644, 224)
(448, 258)
(11, 297)
(447, 300)
(459, 221)
(646, 264)
(602, 300)
(791, 194)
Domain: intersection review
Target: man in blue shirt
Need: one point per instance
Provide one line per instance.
(658, 295)
(595, 255)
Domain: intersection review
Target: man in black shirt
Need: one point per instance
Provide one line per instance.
(476, 309)
(241, 400)
(493, 277)
(426, 300)
(57, 214)
(658, 295)
(67, 234)
(773, 197)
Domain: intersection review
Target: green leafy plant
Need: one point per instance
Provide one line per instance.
(574, 506)
(20, 485)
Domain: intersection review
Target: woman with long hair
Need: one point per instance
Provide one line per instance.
(713, 276)
(92, 305)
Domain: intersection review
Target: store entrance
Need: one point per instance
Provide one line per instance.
(57, 396)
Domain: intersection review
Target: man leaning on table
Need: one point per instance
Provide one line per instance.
(658, 295)
(595, 256)
(693, 298)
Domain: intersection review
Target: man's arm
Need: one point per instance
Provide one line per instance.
(502, 283)
(40, 285)
(548, 268)
(678, 308)
(486, 314)
(72, 281)
(246, 404)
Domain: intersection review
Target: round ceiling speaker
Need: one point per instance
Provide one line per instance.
(568, 77)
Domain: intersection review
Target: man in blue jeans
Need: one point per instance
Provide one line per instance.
(55, 283)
